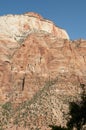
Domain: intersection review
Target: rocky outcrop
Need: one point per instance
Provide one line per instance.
(41, 71)
(19, 26)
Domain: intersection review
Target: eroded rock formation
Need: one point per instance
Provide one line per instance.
(19, 26)
(41, 69)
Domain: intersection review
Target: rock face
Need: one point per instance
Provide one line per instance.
(19, 26)
(40, 69)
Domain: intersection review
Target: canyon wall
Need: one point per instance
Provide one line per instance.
(41, 71)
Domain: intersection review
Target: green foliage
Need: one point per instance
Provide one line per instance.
(77, 113)
(7, 106)
(6, 113)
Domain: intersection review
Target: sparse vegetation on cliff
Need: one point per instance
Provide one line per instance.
(6, 115)
(29, 110)
(77, 112)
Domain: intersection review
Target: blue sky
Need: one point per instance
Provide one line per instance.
(67, 14)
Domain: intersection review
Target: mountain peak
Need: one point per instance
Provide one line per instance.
(33, 14)
(15, 26)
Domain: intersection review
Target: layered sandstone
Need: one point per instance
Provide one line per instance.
(19, 26)
(40, 69)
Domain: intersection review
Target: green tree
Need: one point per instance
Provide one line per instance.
(77, 112)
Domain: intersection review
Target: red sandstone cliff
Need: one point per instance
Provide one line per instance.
(40, 67)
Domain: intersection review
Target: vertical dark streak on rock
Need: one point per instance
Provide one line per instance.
(23, 83)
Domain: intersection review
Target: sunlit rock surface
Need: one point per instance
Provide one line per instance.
(40, 69)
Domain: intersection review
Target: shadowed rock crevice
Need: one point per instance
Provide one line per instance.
(40, 72)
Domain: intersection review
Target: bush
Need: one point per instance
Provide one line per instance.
(77, 112)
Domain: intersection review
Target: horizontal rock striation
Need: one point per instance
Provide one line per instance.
(41, 71)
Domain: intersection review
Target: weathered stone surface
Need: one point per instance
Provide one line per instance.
(19, 26)
(40, 69)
